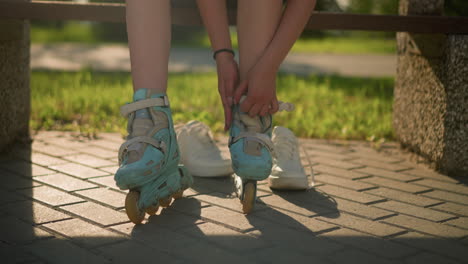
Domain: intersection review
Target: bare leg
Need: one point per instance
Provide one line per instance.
(149, 38)
(257, 22)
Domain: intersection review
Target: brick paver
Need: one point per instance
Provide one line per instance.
(339, 172)
(107, 181)
(380, 164)
(397, 185)
(448, 196)
(425, 226)
(59, 203)
(384, 248)
(39, 213)
(45, 160)
(96, 213)
(413, 210)
(363, 225)
(425, 173)
(84, 233)
(452, 208)
(89, 160)
(445, 247)
(459, 222)
(333, 180)
(388, 174)
(457, 188)
(64, 182)
(105, 196)
(368, 211)
(429, 258)
(63, 251)
(50, 196)
(349, 194)
(403, 196)
(78, 170)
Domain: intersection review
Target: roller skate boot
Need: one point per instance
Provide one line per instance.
(149, 159)
(251, 153)
(199, 152)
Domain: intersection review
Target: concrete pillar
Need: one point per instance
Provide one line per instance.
(14, 81)
(431, 93)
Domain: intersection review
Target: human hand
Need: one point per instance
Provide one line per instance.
(260, 88)
(228, 78)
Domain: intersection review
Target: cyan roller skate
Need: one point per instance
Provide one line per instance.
(149, 158)
(251, 153)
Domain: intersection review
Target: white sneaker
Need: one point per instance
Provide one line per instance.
(287, 172)
(199, 153)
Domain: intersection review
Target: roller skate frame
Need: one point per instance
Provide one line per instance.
(137, 214)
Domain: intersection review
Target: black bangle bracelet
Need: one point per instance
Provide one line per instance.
(223, 50)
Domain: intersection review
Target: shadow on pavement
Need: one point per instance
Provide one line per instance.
(187, 233)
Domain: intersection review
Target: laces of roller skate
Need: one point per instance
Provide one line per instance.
(140, 127)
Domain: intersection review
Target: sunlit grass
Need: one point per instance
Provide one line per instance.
(326, 107)
(82, 32)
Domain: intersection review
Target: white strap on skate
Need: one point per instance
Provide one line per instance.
(140, 139)
(258, 137)
(283, 106)
(142, 104)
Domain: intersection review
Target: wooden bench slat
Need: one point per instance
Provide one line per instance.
(106, 12)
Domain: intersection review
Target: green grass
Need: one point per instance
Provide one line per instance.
(326, 107)
(70, 32)
(358, 44)
(346, 45)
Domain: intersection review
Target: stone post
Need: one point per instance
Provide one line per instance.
(431, 93)
(14, 81)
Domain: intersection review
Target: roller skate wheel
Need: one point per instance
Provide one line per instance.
(131, 208)
(152, 210)
(178, 194)
(165, 202)
(248, 200)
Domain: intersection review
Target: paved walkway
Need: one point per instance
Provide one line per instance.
(74, 57)
(59, 204)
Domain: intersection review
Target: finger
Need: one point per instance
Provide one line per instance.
(255, 110)
(241, 90)
(246, 105)
(264, 110)
(230, 93)
(221, 91)
(228, 118)
(224, 100)
(274, 106)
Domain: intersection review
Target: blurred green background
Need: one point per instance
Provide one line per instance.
(326, 106)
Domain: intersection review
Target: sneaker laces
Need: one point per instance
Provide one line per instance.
(202, 132)
(312, 174)
(285, 147)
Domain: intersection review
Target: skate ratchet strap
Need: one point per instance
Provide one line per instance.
(140, 139)
(142, 104)
(258, 137)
